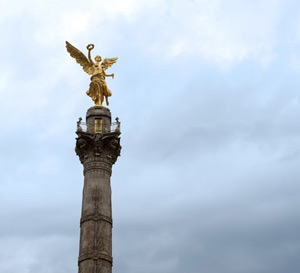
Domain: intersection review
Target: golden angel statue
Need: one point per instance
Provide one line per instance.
(98, 88)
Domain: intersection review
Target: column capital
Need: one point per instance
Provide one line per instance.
(95, 147)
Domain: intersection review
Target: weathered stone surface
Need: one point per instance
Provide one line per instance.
(98, 149)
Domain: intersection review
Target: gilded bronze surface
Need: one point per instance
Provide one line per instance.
(98, 89)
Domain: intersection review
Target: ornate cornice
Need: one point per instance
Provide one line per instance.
(98, 147)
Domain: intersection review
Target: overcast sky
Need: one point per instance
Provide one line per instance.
(208, 95)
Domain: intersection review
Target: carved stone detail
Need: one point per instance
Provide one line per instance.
(95, 255)
(97, 165)
(96, 218)
(102, 146)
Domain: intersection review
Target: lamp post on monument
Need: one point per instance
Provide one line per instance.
(98, 147)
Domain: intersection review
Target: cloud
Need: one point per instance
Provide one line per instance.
(69, 25)
(207, 93)
(222, 33)
(39, 254)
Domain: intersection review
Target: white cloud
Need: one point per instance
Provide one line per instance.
(223, 32)
(48, 165)
(5, 79)
(66, 26)
(203, 29)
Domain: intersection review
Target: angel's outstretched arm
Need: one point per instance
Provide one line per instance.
(107, 75)
(89, 48)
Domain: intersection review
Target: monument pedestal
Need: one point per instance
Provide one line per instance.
(98, 148)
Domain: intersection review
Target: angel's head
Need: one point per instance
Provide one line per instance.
(98, 59)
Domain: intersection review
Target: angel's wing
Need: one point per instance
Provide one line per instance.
(80, 58)
(108, 62)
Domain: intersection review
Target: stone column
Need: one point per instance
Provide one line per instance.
(98, 149)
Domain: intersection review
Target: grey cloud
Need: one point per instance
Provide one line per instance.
(208, 178)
